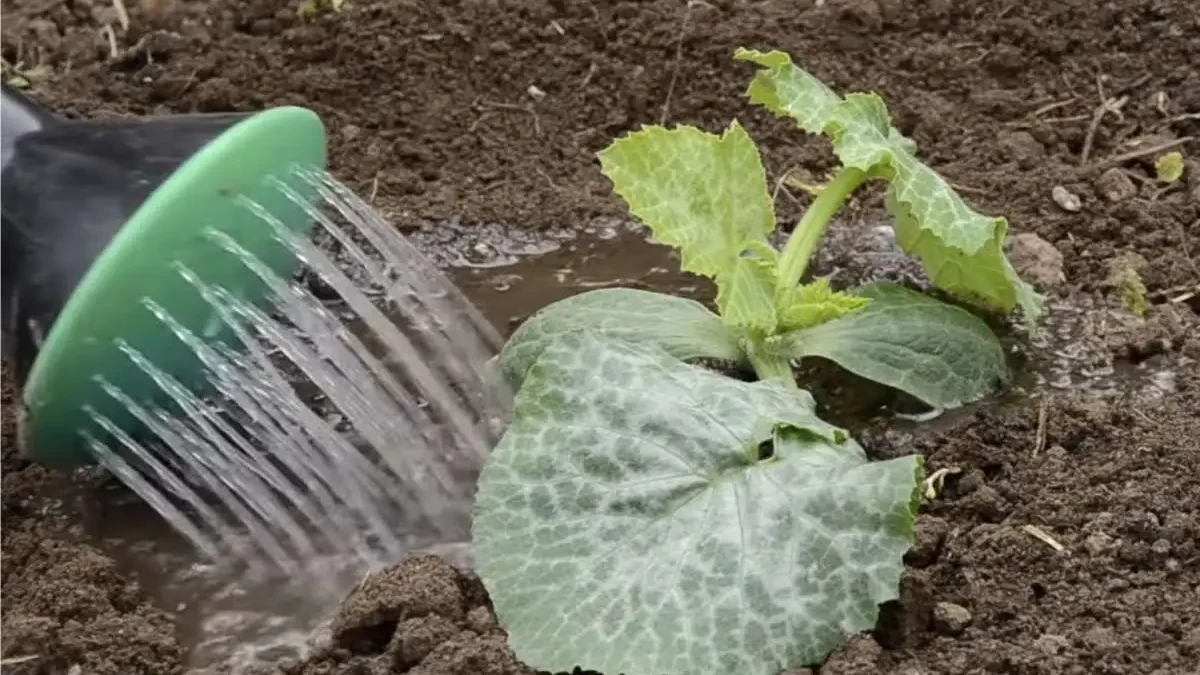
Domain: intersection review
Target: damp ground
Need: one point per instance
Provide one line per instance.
(472, 113)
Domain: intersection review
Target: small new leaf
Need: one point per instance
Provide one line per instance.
(682, 327)
(630, 522)
(961, 250)
(1169, 167)
(1132, 291)
(813, 304)
(939, 353)
(314, 8)
(707, 196)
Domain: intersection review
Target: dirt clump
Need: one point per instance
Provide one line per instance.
(65, 604)
(420, 616)
(419, 587)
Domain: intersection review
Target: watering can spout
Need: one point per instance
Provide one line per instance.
(97, 216)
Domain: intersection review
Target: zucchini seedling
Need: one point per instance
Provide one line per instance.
(645, 515)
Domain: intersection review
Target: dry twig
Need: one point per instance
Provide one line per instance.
(687, 20)
(1040, 534)
(588, 78)
(1039, 437)
(537, 124)
(110, 36)
(1151, 150)
(122, 14)
(1052, 106)
(1109, 106)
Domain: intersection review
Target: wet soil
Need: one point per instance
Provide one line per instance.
(484, 112)
(66, 605)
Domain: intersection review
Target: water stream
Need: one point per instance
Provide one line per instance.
(347, 427)
(350, 426)
(343, 429)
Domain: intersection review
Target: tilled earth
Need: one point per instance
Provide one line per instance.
(478, 111)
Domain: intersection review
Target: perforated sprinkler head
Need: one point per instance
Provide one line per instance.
(98, 217)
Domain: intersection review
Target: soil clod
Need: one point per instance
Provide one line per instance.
(1037, 261)
(950, 619)
(420, 586)
(1115, 185)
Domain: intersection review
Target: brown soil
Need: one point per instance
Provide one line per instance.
(1115, 485)
(430, 113)
(65, 603)
(420, 617)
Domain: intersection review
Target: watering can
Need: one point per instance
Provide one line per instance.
(99, 218)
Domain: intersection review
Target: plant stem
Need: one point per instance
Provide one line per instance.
(767, 363)
(812, 226)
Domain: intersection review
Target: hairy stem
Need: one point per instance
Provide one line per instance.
(812, 226)
(769, 363)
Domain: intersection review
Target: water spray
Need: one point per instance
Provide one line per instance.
(192, 302)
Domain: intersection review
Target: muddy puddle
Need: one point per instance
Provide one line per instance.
(229, 621)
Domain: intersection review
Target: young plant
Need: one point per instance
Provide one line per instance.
(312, 9)
(645, 515)
(1169, 168)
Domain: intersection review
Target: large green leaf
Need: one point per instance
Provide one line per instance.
(685, 328)
(625, 524)
(939, 353)
(706, 195)
(961, 250)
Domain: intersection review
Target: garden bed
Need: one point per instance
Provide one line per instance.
(492, 112)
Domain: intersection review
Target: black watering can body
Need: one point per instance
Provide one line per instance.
(99, 217)
(67, 189)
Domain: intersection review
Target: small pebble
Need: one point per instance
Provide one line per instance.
(950, 619)
(1097, 543)
(481, 620)
(1051, 644)
(1144, 524)
(1023, 148)
(1037, 260)
(1066, 199)
(988, 504)
(1115, 186)
(930, 533)
(1100, 639)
